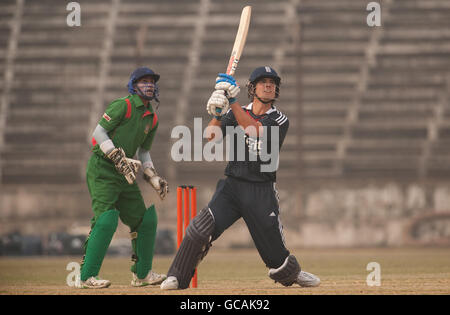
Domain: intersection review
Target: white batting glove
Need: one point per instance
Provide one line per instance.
(229, 85)
(218, 104)
(159, 184)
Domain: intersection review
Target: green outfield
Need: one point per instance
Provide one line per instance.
(236, 272)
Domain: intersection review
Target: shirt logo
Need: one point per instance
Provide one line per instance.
(254, 145)
(105, 115)
(147, 129)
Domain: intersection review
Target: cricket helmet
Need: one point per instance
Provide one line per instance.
(138, 74)
(264, 72)
(261, 73)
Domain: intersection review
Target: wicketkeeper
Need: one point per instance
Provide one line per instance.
(127, 128)
(248, 192)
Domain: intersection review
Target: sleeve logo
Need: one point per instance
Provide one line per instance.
(105, 115)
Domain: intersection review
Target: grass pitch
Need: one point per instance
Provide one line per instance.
(241, 272)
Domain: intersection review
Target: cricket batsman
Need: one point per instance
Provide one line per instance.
(127, 128)
(247, 192)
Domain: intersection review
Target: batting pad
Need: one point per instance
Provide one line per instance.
(145, 243)
(98, 243)
(193, 248)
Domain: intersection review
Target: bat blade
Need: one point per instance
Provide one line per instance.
(239, 42)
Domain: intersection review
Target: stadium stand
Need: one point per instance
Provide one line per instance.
(400, 114)
(362, 101)
(55, 75)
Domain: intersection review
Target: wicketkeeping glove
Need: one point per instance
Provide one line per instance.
(159, 184)
(135, 165)
(123, 165)
(229, 85)
(218, 104)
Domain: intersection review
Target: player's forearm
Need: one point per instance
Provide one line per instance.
(250, 125)
(101, 136)
(209, 130)
(145, 158)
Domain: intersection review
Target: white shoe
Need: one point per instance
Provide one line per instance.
(93, 283)
(151, 279)
(306, 279)
(171, 283)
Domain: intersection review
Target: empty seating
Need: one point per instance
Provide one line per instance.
(359, 99)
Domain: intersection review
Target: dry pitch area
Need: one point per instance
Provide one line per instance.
(237, 272)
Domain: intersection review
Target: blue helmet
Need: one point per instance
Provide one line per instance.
(140, 73)
(258, 74)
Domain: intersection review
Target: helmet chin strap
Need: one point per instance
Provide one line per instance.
(271, 101)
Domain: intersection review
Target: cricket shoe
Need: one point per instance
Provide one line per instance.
(151, 279)
(171, 283)
(306, 279)
(93, 283)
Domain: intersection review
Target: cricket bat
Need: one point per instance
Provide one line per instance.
(240, 39)
(239, 42)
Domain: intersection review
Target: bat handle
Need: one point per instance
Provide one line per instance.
(218, 116)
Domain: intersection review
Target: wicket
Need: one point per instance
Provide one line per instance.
(190, 194)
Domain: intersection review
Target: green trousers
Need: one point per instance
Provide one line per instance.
(109, 191)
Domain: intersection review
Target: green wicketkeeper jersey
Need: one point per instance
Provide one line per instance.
(130, 125)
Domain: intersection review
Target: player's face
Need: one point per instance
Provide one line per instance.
(265, 89)
(147, 85)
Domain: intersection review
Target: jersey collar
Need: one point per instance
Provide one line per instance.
(250, 107)
(138, 102)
